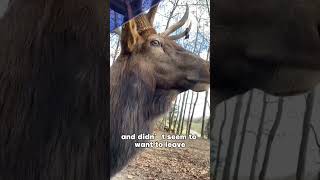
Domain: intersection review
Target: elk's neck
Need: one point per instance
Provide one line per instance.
(134, 105)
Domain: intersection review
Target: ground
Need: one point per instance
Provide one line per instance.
(191, 162)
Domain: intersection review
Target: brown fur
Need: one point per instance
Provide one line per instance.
(52, 98)
(273, 45)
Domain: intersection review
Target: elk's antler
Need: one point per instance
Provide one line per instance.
(185, 33)
(145, 24)
(152, 13)
(177, 25)
(117, 31)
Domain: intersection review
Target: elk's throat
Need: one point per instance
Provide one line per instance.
(199, 87)
(199, 84)
(134, 107)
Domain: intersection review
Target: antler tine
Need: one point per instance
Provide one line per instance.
(117, 31)
(184, 33)
(152, 13)
(177, 25)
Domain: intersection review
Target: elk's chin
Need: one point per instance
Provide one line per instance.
(198, 83)
(199, 87)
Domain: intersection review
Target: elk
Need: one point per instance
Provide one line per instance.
(151, 70)
(53, 98)
(271, 45)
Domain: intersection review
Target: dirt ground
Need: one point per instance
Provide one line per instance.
(191, 162)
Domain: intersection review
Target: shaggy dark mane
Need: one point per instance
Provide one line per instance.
(53, 91)
(135, 102)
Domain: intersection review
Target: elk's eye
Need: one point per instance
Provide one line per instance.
(155, 43)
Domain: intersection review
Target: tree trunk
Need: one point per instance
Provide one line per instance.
(194, 106)
(204, 114)
(317, 143)
(305, 135)
(315, 136)
(184, 111)
(232, 139)
(243, 135)
(220, 140)
(170, 124)
(270, 140)
(181, 112)
(172, 112)
(189, 115)
(258, 140)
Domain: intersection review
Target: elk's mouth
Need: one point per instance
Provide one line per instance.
(199, 85)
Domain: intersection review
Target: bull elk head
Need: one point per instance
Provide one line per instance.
(160, 57)
(259, 45)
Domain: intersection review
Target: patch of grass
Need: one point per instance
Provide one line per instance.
(196, 126)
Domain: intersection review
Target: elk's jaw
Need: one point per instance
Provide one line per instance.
(245, 73)
(199, 87)
(199, 84)
(288, 81)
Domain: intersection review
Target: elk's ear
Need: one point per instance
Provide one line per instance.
(130, 38)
